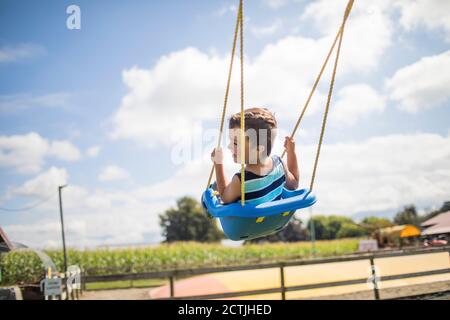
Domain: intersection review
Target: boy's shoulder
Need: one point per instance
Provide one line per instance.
(249, 175)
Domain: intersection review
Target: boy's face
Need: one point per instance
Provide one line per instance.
(251, 151)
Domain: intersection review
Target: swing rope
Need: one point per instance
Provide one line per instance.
(339, 37)
(239, 26)
(225, 103)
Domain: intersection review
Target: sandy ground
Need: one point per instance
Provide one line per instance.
(391, 293)
(270, 278)
(119, 294)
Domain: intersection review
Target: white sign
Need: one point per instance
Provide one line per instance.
(52, 287)
(73, 278)
(368, 245)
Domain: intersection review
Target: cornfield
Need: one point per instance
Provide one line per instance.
(26, 267)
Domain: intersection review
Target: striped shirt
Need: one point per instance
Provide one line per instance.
(261, 189)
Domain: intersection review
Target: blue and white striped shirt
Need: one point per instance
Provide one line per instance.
(260, 189)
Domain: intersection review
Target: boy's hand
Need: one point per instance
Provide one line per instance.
(217, 156)
(289, 145)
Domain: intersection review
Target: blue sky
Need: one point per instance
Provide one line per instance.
(105, 108)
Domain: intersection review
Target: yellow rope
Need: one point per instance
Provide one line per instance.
(240, 26)
(241, 9)
(227, 91)
(330, 93)
(313, 89)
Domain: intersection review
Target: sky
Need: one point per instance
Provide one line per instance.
(124, 109)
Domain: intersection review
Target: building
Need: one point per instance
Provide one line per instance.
(5, 244)
(437, 227)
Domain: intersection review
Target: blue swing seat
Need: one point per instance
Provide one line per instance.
(254, 221)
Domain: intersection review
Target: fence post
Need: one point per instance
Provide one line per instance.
(374, 279)
(79, 286)
(283, 288)
(172, 289)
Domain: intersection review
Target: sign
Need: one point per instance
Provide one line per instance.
(52, 287)
(73, 278)
(368, 245)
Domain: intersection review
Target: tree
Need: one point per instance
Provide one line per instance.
(188, 222)
(328, 227)
(320, 227)
(350, 230)
(407, 216)
(291, 233)
(372, 224)
(335, 224)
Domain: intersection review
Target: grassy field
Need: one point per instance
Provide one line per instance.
(147, 283)
(25, 266)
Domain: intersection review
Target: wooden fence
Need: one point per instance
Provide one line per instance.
(171, 275)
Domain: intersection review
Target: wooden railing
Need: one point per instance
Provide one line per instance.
(171, 275)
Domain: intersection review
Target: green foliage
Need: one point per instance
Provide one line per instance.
(407, 216)
(372, 224)
(329, 227)
(350, 230)
(22, 266)
(189, 222)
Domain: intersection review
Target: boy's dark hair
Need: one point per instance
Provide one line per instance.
(257, 119)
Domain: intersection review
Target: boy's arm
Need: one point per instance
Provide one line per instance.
(229, 192)
(291, 167)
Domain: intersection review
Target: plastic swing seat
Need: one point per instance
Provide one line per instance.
(254, 221)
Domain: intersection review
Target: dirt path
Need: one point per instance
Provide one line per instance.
(389, 293)
(119, 294)
(392, 293)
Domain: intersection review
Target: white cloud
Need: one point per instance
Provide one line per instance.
(82, 231)
(20, 102)
(188, 86)
(225, 9)
(93, 151)
(92, 217)
(43, 184)
(64, 150)
(423, 84)
(20, 52)
(355, 102)
(27, 153)
(383, 173)
(275, 4)
(262, 31)
(112, 173)
(368, 32)
(432, 14)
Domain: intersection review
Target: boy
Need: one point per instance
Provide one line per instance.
(265, 175)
